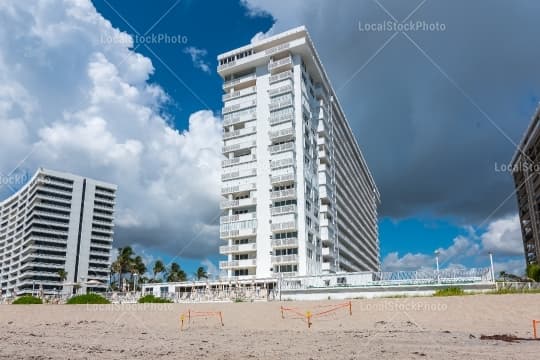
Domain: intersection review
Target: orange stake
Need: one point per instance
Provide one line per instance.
(282, 315)
(534, 328)
(350, 308)
(221, 318)
(182, 322)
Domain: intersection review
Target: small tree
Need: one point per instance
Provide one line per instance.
(533, 272)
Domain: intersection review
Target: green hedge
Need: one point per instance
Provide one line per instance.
(88, 299)
(152, 299)
(27, 300)
(451, 291)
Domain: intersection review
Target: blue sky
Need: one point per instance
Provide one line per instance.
(434, 120)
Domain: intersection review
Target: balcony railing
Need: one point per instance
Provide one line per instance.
(283, 179)
(274, 149)
(240, 117)
(282, 134)
(243, 79)
(238, 217)
(237, 233)
(239, 174)
(276, 105)
(285, 259)
(238, 160)
(238, 188)
(237, 264)
(285, 243)
(281, 76)
(229, 249)
(227, 204)
(240, 132)
(276, 164)
(279, 119)
(273, 65)
(240, 93)
(238, 107)
(284, 226)
(283, 194)
(283, 209)
(240, 146)
(281, 90)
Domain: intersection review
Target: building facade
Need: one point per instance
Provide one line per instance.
(56, 222)
(297, 195)
(526, 172)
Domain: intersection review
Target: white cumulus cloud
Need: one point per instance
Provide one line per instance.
(72, 100)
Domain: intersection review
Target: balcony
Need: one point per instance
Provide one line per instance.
(238, 160)
(237, 264)
(284, 243)
(239, 107)
(284, 226)
(287, 209)
(275, 149)
(280, 64)
(281, 90)
(240, 146)
(281, 163)
(238, 217)
(282, 135)
(229, 249)
(325, 192)
(284, 259)
(328, 252)
(283, 179)
(240, 117)
(288, 194)
(237, 94)
(280, 117)
(280, 104)
(280, 77)
(231, 234)
(239, 174)
(241, 80)
(229, 204)
(240, 132)
(238, 188)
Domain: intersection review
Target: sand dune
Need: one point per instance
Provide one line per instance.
(413, 328)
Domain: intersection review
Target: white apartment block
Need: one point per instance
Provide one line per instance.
(57, 221)
(297, 195)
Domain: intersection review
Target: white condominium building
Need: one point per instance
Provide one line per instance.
(56, 222)
(297, 195)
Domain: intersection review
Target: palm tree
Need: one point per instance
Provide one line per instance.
(123, 263)
(176, 274)
(201, 273)
(138, 268)
(159, 267)
(63, 274)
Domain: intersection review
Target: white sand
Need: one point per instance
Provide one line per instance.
(413, 328)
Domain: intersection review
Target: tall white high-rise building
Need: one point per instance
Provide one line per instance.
(297, 195)
(56, 222)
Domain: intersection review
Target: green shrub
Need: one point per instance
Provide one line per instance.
(27, 300)
(533, 272)
(451, 291)
(152, 299)
(513, 291)
(88, 299)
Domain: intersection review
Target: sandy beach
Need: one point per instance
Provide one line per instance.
(406, 328)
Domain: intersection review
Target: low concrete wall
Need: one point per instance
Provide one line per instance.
(342, 293)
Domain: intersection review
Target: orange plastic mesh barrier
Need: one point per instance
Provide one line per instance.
(187, 316)
(322, 310)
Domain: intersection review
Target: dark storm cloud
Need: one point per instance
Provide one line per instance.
(432, 133)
